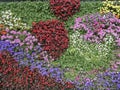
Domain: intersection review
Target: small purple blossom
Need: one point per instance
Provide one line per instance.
(96, 27)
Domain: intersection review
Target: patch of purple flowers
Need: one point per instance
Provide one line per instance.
(28, 60)
(95, 27)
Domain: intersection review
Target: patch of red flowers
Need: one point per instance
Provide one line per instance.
(15, 77)
(53, 37)
(64, 8)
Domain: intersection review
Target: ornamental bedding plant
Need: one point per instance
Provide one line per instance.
(52, 36)
(64, 8)
(105, 81)
(26, 59)
(88, 56)
(27, 41)
(22, 78)
(17, 52)
(111, 6)
(8, 19)
(96, 27)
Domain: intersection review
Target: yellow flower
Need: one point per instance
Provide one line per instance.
(110, 6)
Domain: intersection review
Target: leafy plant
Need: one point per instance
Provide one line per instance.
(111, 6)
(96, 27)
(18, 77)
(11, 21)
(52, 36)
(64, 8)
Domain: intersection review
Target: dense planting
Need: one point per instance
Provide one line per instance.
(64, 8)
(15, 77)
(10, 20)
(46, 56)
(96, 27)
(89, 56)
(111, 6)
(52, 36)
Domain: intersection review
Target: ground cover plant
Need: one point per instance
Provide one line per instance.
(110, 6)
(64, 8)
(77, 52)
(52, 36)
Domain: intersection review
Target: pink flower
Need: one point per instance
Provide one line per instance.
(21, 44)
(24, 32)
(87, 80)
(17, 41)
(10, 37)
(30, 47)
(39, 44)
(33, 37)
(77, 78)
(26, 49)
(26, 39)
(19, 32)
(7, 30)
(13, 32)
(118, 62)
(16, 36)
(114, 67)
(12, 41)
(3, 37)
(28, 43)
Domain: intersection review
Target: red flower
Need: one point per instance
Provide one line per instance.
(15, 77)
(52, 36)
(64, 8)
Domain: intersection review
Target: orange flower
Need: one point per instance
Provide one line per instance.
(3, 32)
(1, 26)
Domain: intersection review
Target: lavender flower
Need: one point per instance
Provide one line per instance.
(96, 27)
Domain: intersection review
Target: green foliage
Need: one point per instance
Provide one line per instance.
(29, 11)
(85, 56)
(85, 8)
(36, 11)
(12, 21)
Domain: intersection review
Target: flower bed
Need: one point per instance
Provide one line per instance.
(31, 56)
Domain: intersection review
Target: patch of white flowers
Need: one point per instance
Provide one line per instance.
(10, 20)
(90, 51)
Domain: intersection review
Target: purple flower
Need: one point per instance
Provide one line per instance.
(97, 26)
(17, 41)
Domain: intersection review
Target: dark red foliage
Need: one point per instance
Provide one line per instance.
(15, 77)
(64, 8)
(53, 37)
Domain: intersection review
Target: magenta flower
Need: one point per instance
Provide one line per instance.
(96, 27)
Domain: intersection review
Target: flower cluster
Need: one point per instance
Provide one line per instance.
(89, 53)
(22, 78)
(26, 59)
(10, 20)
(52, 37)
(96, 27)
(103, 81)
(107, 80)
(111, 6)
(17, 52)
(44, 69)
(24, 39)
(2, 30)
(64, 8)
